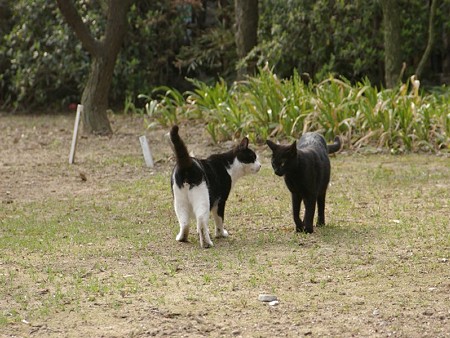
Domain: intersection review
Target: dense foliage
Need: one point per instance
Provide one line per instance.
(345, 38)
(39, 62)
(400, 119)
(318, 37)
(42, 62)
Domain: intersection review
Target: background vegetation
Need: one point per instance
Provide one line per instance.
(322, 61)
(42, 63)
(400, 119)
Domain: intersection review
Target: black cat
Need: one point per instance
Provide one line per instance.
(306, 169)
(203, 185)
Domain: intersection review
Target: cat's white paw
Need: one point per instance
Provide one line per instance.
(207, 244)
(222, 233)
(205, 239)
(181, 237)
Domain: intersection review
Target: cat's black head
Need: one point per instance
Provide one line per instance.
(247, 157)
(283, 157)
(244, 153)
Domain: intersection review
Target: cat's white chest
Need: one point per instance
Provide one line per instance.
(239, 169)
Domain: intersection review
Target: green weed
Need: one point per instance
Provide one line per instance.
(400, 119)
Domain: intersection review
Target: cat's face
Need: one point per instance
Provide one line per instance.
(247, 157)
(282, 157)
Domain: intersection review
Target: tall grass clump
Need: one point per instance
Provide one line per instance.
(166, 108)
(400, 119)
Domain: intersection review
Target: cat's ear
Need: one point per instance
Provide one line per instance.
(271, 145)
(244, 144)
(293, 147)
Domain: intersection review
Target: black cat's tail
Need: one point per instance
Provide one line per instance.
(332, 148)
(184, 161)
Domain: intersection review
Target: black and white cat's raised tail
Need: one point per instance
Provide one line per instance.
(184, 160)
(201, 186)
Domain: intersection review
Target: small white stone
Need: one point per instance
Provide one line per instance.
(274, 303)
(267, 298)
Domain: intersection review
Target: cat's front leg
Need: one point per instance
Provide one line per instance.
(218, 214)
(296, 202)
(310, 209)
(321, 210)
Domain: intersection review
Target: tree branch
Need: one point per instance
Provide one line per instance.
(116, 23)
(74, 20)
(427, 51)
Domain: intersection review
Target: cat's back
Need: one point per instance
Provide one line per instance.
(214, 168)
(313, 141)
(210, 170)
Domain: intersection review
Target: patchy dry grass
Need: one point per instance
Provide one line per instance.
(99, 258)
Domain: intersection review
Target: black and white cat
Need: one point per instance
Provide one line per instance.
(203, 185)
(306, 169)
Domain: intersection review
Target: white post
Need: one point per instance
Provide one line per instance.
(75, 134)
(146, 151)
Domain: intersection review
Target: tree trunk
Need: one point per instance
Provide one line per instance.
(392, 42)
(103, 58)
(95, 97)
(246, 12)
(427, 51)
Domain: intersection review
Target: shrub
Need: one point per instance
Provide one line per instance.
(400, 119)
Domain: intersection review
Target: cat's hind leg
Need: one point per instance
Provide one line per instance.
(203, 230)
(182, 210)
(199, 198)
(218, 214)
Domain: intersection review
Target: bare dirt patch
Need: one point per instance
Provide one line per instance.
(35, 151)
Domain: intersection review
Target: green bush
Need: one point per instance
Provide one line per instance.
(42, 62)
(344, 38)
(41, 59)
(400, 119)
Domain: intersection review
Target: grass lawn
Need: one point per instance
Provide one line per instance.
(97, 256)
